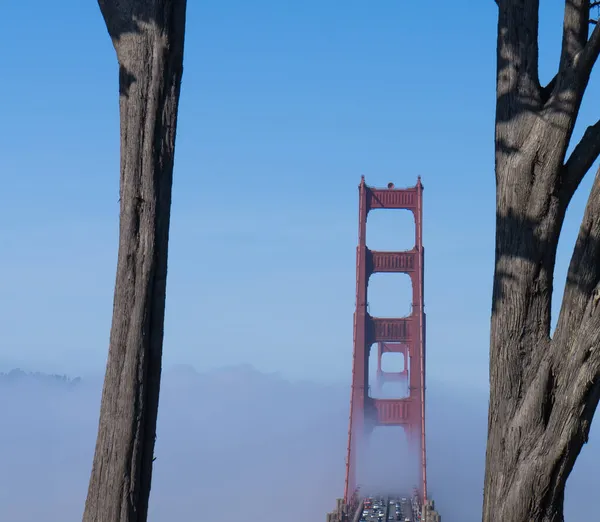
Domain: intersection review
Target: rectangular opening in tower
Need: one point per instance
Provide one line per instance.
(389, 465)
(390, 295)
(391, 230)
(388, 378)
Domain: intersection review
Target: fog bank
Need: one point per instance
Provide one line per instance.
(238, 443)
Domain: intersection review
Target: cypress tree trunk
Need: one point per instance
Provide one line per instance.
(148, 36)
(543, 389)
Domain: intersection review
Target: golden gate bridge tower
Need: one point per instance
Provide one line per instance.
(405, 335)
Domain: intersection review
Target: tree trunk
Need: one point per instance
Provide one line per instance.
(543, 389)
(148, 36)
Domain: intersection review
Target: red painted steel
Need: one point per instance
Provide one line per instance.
(392, 412)
(404, 335)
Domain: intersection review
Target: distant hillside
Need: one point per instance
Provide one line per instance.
(18, 375)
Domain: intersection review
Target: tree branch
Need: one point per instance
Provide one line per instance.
(575, 356)
(575, 31)
(578, 53)
(583, 276)
(581, 159)
(587, 57)
(569, 404)
(575, 348)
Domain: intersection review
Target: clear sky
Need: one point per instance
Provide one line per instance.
(284, 106)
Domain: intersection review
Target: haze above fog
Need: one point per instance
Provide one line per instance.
(237, 443)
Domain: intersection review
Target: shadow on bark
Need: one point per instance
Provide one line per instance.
(518, 71)
(521, 241)
(127, 17)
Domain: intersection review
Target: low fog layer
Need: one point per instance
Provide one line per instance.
(239, 444)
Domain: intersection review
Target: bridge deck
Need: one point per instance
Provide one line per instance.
(388, 509)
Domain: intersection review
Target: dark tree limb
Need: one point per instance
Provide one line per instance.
(575, 361)
(583, 277)
(578, 56)
(148, 36)
(586, 60)
(581, 159)
(575, 31)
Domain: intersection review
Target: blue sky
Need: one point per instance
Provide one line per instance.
(284, 106)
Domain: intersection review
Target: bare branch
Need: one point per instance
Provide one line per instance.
(578, 58)
(578, 54)
(584, 270)
(575, 31)
(581, 159)
(586, 151)
(575, 353)
(587, 57)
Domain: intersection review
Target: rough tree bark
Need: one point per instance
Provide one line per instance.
(544, 389)
(148, 36)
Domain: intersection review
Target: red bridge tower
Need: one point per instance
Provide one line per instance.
(404, 335)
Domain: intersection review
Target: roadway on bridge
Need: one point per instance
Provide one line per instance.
(387, 509)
